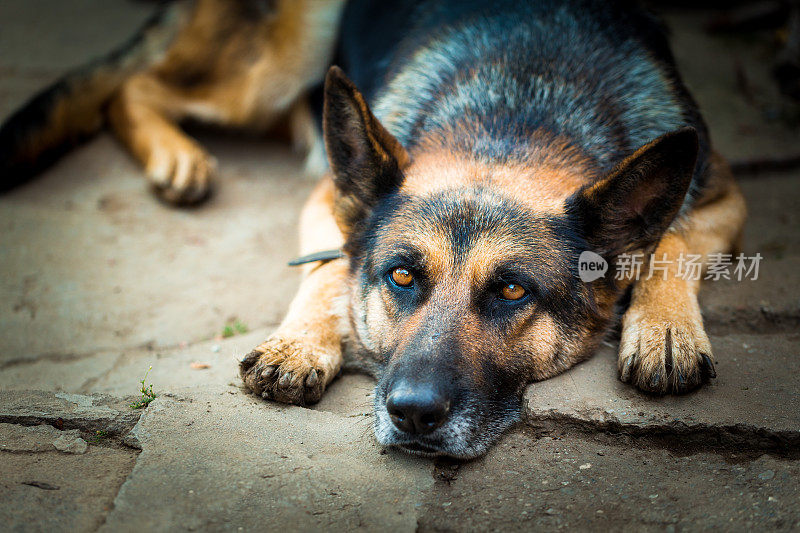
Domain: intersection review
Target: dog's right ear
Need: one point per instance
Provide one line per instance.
(630, 209)
(366, 160)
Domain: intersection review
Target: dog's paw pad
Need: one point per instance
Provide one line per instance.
(284, 370)
(664, 357)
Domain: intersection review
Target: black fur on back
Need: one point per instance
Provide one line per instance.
(482, 75)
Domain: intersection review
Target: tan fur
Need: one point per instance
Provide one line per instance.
(555, 177)
(537, 338)
(74, 108)
(658, 305)
(303, 356)
(76, 117)
(175, 164)
(309, 340)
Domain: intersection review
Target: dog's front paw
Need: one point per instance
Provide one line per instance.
(285, 370)
(664, 355)
(181, 171)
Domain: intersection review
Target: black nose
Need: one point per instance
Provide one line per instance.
(416, 409)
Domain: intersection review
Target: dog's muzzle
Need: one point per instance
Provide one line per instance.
(417, 409)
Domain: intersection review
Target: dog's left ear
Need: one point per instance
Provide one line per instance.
(366, 160)
(631, 208)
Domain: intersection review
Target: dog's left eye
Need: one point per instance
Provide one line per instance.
(512, 292)
(402, 277)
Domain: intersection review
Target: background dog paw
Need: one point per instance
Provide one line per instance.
(283, 370)
(181, 173)
(664, 356)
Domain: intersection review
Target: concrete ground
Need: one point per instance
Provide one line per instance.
(100, 281)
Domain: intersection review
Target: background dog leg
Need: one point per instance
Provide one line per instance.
(231, 66)
(176, 165)
(664, 347)
(297, 362)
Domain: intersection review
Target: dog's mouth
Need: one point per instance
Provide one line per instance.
(419, 448)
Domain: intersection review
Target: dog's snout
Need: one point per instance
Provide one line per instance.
(417, 409)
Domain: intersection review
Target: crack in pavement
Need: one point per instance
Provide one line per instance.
(89, 414)
(757, 321)
(89, 383)
(738, 440)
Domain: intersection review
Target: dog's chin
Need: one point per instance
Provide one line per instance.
(428, 449)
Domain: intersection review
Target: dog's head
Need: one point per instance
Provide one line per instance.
(465, 292)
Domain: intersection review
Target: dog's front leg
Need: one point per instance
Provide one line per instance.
(664, 347)
(297, 362)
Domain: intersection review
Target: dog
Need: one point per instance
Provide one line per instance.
(476, 149)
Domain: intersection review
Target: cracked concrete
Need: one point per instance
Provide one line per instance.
(53, 491)
(18, 439)
(100, 282)
(82, 291)
(276, 465)
(535, 482)
(754, 372)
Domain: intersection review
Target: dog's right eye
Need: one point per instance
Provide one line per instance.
(512, 292)
(402, 277)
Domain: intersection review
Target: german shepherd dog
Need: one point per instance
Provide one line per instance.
(476, 148)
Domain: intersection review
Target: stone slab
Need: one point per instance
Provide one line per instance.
(213, 362)
(42, 438)
(93, 262)
(752, 403)
(63, 374)
(53, 491)
(770, 303)
(546, 483)
(68, 411)
(230, 461)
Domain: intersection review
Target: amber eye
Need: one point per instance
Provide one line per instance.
(512, 291)
(402, 276)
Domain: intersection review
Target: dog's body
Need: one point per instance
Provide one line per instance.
(507, 138)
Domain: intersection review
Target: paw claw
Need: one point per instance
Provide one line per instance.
(249, 360)
(285, 380)
(312, 379)
(655, 381)
(708, 366)
(625, 373)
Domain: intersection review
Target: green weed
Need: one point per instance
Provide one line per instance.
(234, 328)
(147, 393)
(99, 436)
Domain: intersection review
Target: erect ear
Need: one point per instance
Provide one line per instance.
(366, 160)
(631, 208)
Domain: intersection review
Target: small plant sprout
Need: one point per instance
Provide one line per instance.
(147, 393)
(99, 435)
(235, 327)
